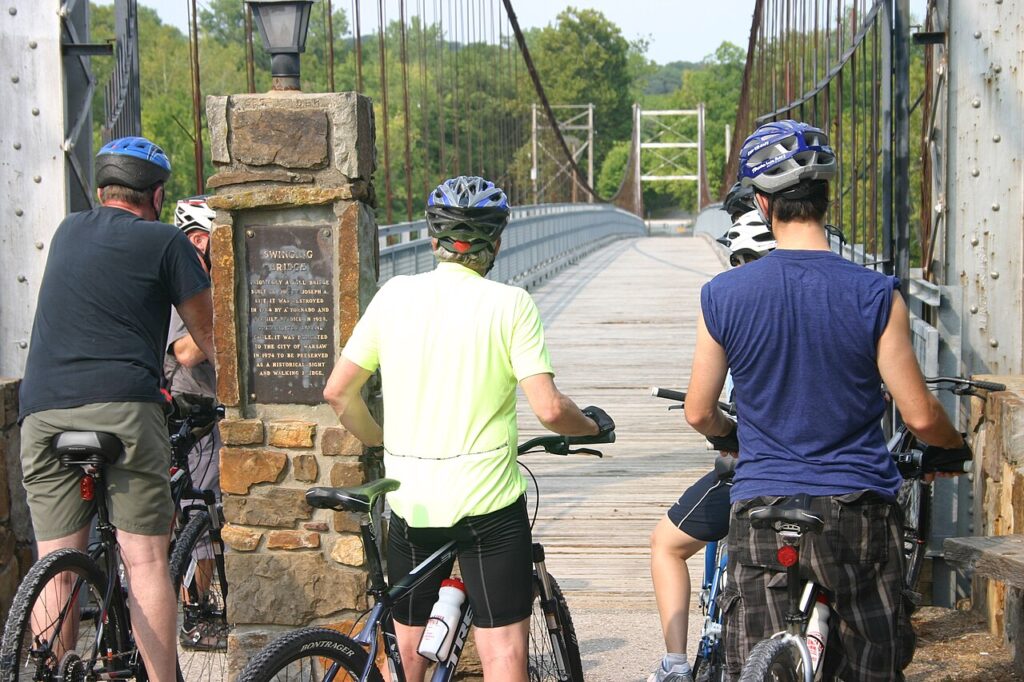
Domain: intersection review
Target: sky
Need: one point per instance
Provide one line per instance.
(676, 30)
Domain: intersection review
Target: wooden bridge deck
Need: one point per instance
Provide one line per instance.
(620, 321)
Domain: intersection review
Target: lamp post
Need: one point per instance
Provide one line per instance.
(282, 25)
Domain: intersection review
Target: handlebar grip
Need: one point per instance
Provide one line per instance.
(989, 385)
(668, 394)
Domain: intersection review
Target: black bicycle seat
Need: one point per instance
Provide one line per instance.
(87, 448)
(793, 514)
(725, 468)
(358, 499)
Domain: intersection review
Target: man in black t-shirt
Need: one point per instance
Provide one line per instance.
(95, 364)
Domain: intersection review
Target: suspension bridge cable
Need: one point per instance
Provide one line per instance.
(424, 100)
(359, 47)
(329, 12)
(405, 110)
(442, 160)
(539, 88)
(250, 65)
(382, 51)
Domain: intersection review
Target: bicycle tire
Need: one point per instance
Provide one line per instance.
(710, 670)
(553, 654)
(201, 590)
(912, 502)
(773, 660)
(308, 654)
(19, 657)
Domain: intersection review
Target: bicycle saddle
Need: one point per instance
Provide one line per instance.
(725, 467)
(87, 448)
(793, 514)
(358, 499)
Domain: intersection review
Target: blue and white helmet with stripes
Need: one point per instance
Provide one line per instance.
(467, 214)
(782, 154)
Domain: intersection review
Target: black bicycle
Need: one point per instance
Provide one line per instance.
(325, 655)
(915, 460)
(82, 629)
(197, 549)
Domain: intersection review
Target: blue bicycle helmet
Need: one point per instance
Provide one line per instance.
(467, 214)
(132, 162)
(782, 154)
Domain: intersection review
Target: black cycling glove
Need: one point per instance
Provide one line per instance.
(605, 424)
(950, 460)
(727, 443)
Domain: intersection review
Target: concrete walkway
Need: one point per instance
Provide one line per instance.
(619, 322)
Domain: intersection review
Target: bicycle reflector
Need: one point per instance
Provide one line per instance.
(787, 555)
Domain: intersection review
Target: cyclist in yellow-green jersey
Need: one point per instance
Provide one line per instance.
(452, 347)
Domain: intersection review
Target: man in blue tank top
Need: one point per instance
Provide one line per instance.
(809, 338)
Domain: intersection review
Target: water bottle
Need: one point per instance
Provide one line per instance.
(817, 634)
(438, 636)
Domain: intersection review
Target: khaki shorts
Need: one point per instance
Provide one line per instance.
(138, 483)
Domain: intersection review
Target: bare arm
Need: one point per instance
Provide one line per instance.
(920, 410)
(554, 409)
(197, 314)
(344, 393)
(187, 352)
(707, 377)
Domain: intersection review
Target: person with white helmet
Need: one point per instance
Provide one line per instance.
(112, 274)
(701, 515)
(809, 338)
(452, 347)
(188, 371)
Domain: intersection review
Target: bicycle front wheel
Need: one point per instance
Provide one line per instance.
(913, 500)
(199, 581)
(309, 654)
(554, 652)
(56, 620)
(773, 660)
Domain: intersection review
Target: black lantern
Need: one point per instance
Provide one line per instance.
(282, 25)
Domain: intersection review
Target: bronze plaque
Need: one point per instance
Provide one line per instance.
(291, 312)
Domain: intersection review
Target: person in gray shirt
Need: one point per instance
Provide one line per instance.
(189, 371)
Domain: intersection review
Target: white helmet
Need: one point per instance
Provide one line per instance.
(748, 239)
(193, 214)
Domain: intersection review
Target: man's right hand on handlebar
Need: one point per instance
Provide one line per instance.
(727, 443)
(605, 424)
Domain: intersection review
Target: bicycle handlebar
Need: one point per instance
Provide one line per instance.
(964, 386)
(562, 445)
(680, 396)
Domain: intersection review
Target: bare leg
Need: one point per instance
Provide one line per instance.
(55, 594)
(151, 601)
(503, 651)
(415, 666)
(670, 548)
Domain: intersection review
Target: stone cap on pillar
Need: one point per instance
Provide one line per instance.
(276, 140)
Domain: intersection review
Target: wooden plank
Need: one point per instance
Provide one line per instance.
(997, 557)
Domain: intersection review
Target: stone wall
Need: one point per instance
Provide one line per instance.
(283, 160)
(15, 525)
(998, 422)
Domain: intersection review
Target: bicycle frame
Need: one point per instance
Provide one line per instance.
(716, 559)
(381, 619)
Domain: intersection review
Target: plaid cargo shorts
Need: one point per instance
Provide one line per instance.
(858, 559)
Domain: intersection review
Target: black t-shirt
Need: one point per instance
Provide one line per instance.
(100, 327)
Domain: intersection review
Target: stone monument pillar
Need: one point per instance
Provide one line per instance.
(294, 264)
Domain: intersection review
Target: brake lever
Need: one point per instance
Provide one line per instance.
(675, 407)
(586, 451)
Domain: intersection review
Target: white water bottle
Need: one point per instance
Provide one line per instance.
(817, 634)
(438, 636)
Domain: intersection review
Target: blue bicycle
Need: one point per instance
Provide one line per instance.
(709, 663)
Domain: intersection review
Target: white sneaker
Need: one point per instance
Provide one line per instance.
(678, 673)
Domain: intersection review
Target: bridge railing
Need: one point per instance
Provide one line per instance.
(539, 241)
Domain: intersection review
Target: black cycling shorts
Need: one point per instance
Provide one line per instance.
(495, 560)
(702, 512)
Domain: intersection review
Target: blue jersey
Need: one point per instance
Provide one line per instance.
(800, 330)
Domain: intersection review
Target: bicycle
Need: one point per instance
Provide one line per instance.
(197, 549)
(84, 632)
(915, 463)
(709, 662)
(323, 654)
